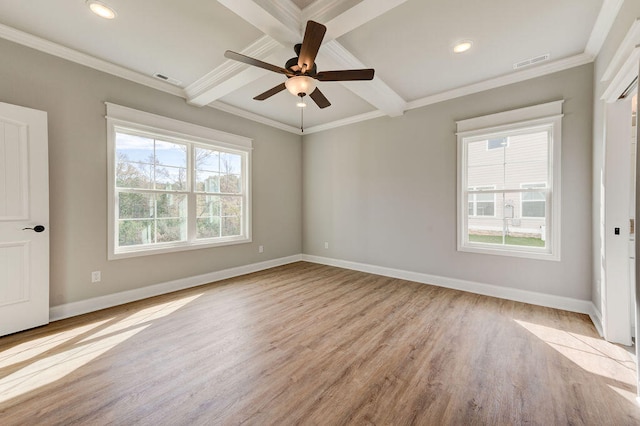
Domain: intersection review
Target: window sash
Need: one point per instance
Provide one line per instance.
(182, 229)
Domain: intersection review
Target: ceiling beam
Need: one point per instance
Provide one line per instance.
(376, 92)
(283, 22)
(231, 75)
(341, 19)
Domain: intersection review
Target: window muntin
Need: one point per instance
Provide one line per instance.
(170, 191)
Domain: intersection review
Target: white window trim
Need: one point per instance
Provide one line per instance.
(494, 124)
(140, 122)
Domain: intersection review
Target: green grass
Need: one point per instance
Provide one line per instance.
(512, 241)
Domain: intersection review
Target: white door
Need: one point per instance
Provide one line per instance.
(24, 203)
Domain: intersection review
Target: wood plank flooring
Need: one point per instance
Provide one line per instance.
(317, 345)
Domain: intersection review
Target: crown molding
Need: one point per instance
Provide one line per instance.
(51, 48)
(630, 41)
(221, 106)
(604, 22)
(344, 122)
(515, 77)
(218, 82)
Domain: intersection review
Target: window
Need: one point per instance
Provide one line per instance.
(173, 185)
(533, 204)
(509, 183)
(482, 204)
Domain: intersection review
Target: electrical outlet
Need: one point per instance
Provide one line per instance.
(326, 245)
(260, 249)
(95, 277)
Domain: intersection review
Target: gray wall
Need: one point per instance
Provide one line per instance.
(629, 12)
(74, 96)
(383, 192)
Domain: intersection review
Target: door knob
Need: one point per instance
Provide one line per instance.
(37, 228)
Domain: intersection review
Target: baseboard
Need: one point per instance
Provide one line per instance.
(596, 319)
(95, 304)
(534, 298)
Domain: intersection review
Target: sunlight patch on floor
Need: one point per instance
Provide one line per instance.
(594, 355)
(66, 357)
(35, 347)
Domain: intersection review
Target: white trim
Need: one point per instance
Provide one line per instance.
(489, 122)
(630, 41)
(604, 22)
(143, 123)
(72, 55)
(514, 77)
(180, 128)
(345, 121)
(596, 319)
(548, 116)
(102, 302)
(517, 295)
(206, 88)
(623, 78)
(253, 117)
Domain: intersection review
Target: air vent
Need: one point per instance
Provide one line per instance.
(171, 80)
(531, 61)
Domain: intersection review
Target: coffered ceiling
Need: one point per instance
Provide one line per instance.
(408, 42)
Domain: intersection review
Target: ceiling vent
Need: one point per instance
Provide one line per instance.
(531, 61)
(170, 80)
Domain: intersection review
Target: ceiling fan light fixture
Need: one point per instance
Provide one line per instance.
(300, 84)
(463, 46)
(101, 9)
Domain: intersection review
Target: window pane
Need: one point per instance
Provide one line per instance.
(135, 232)
(526, 159)
(207, 159)
(230, 163)
(230, 226)
(134, 175)
(207, 181)
(231, 206)
(208, 227)
(208, 205)
(135, 206)
(533, 209)
(230, 184)
(171, 154)
(497, 223)
(171, 178)
(171, 230)
(134, 148)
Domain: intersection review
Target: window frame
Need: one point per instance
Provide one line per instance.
(135, 122)
(505, 124)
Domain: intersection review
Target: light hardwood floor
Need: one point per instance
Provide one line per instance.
(312, 344)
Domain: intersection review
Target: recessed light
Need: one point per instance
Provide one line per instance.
(463, 46)
(101, 9)
(301, 105)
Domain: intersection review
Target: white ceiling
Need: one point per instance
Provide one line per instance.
(408, 42)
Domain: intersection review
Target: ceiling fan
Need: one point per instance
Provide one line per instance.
(301, 71)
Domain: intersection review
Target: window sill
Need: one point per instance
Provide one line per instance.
(174, 248)
(511, 251)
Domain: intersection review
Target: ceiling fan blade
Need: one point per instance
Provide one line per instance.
(346, 75)
(256, 62)
(313, 36)
(262, 96)
(319, 98)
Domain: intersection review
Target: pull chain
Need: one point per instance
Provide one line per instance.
(302, 113)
